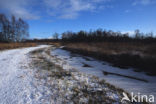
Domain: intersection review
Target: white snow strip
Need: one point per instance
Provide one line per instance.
(67, 61)
(17, 85)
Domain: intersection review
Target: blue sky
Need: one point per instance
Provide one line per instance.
(48, 16)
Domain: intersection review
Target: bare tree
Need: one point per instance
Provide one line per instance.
(137, 34)
(56, 36)
(4, 27)
(14, 30)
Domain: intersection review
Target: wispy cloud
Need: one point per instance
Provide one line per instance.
(131, 33)
(71, 8)
(128, 11)
(67, 9)
(19, 8)
(143, 2)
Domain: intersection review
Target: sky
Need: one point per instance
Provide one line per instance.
(45, 17)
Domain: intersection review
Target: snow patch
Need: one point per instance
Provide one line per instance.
(73, 61)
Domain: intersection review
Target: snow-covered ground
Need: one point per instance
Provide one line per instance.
(94, 67)
(17, 84)
(71, 86)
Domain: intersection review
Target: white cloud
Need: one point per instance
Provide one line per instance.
(71, 8)
(143, 2)
(131, 33)
(19, 8)
(57, 8)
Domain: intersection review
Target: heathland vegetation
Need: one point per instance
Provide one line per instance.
(119, 49)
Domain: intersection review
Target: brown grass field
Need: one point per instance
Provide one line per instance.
(4, 46)
(110, 48)
(140, 56)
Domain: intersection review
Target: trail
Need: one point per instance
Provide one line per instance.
(17, 84)
(28, 78)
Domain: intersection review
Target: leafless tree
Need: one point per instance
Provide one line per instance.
(14, 30)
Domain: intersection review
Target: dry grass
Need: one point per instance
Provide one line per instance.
(73, 89)
(140, 56)
(4, 46)
(116, 48)
(80, 88)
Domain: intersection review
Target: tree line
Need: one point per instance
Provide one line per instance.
(100, 35)
(12, 29)
(104, 35)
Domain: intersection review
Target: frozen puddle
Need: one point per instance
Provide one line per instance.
(91, 66)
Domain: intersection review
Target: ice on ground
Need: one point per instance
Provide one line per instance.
(17, 84)
(94, 67)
